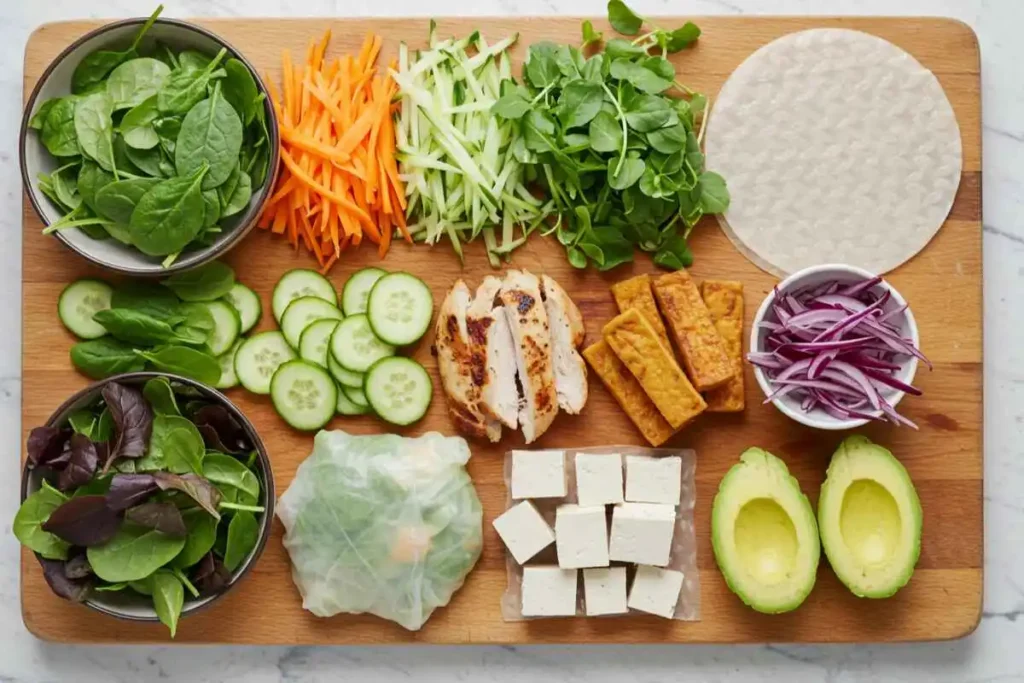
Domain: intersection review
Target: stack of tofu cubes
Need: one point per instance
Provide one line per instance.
(643, 522)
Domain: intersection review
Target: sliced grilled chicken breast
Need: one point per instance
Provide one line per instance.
(461, 362)
(567, 334)
(531, 335)
(500, 394)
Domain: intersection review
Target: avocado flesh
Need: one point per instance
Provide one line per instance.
(764, 534)
(870, 519)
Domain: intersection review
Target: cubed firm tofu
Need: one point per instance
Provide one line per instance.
(538, 474)
(549, 592)
(642, 533)
(598, 478)
(604, 591)
(524, 531)
(655, 591)
(581, 536)
(653, 480)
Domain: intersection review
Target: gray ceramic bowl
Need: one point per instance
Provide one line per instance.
(35, 159)
(127, 604)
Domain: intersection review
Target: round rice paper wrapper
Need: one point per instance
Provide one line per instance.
(838, 147)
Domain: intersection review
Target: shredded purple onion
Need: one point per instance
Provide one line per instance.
(834, 347)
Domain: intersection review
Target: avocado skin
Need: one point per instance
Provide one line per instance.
(860, 446)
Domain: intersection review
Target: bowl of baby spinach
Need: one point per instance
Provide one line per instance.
(149, 146)
(145, 496)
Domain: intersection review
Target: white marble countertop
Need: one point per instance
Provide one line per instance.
(993, 653)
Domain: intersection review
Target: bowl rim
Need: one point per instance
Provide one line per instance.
(248, 219)
(814, 420)
(266, 527)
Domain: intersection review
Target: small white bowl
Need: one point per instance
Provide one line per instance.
(809, 277)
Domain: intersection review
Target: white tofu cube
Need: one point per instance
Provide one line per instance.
(655, 591)
(605, 590)
(642, 533)
(598, 478)
(549, 592)
(581, 536)
(524, 531)
(653, 480)
(538, 474)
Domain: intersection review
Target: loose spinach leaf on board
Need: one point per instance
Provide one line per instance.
(28, 524)
(99, 358)
(133, 82)
(169, 216)
(83, 521)
(152, 299)
(182, 360)
(202, 533)
(117, 200)
(96, 66)
(243, 534)
(168, 599)
(205, 283)
(196, 326)
(211, 134)
(94, 129)
(133, 553)
(134, 327)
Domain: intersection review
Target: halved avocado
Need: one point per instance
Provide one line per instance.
(870, 519)
(764, 534)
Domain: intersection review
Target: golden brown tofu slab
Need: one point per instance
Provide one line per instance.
(636, 293)
(636, 344)
(702, 348)
(626, 390)
(724, 299)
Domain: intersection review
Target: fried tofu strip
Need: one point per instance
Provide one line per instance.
(636, 293)
(626, 390)
(635, 342)
(724, 299)
(704, 356)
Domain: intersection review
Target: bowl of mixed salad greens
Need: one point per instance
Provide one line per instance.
(149, 146)
(145, 496)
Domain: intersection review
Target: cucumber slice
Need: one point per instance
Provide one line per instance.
(228, 378)
(258, 358)
(247, 303)
(226, 327)
(357, 396)
(345, 377)
(303, 311)
(399, 390)
(347, 407)
(400, 308)
(355, 346)
(315, 340)
(79, 302)
(304, 395)
(299, 283)
(356, 291)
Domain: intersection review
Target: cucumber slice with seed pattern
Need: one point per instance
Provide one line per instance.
(226, 326)
(346, 378)
(304, 395)
(228, 378)
(301, 313)
(400, 308)
(356, 292)
(247, 303)
(357, 396)
(299, 283)
(347, 407)
(79, 302)
(315, 340)
(355, 346)
(259, 357)
(399, 390)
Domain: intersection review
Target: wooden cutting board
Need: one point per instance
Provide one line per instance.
(943, 284)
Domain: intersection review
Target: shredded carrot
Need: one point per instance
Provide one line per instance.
(338, 182)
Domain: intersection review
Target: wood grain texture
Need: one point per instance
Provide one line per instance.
(943, 283)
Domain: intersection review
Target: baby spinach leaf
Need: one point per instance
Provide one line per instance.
(99, 358)
(211, 134)
(197, 325)
(182, 360)
(29, 520)
(589, 34)
(211, 208)
(579, 102)
(243, 534)
(160, 396)
(168, 599)
(134, 327)
(226, 470)
(194, 486)
(205, 283)
(117, 200)
(58, 132)
(202, 533)
(90, 179)
(192, 60)
(240, 90)
(149, 298)
(137, 126)
(95, 130)
(240, 193)
(169, 216)
(97, 65)
(185, 87)
(176, 446)
(83, 421)
(66, 189)
(623, 19)
(39, 117)
(133, 553)
(75, 589)
(161, 516)
(133, 421)
(168, 127)
(128, 490)
(135, 81)
(83, 521)
(82, 464)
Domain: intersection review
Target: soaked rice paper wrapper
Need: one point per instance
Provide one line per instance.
(838, 147)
